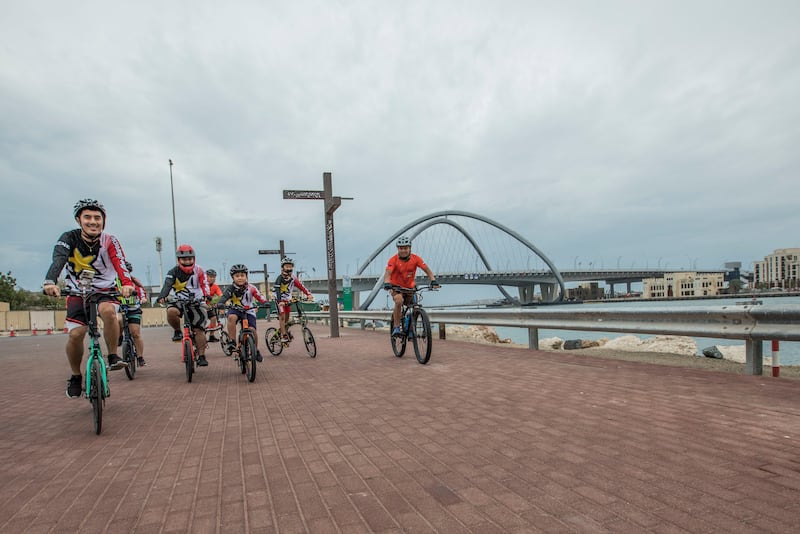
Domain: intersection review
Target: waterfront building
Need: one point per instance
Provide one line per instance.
(683, 284)
(586, 291)
(779, 269)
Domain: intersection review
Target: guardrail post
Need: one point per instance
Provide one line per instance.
(776, 359)
(754, 354)
(442, 331)
(533, 338)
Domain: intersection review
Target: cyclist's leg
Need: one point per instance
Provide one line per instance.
(231, 326)
(398, 306)
(135, 328)
(174, 320)
(198, 316)
(74, 348)
(107, 310)
(283, 314)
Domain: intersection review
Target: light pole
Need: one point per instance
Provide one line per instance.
(174, 226)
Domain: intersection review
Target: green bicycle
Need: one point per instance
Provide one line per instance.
(96, 386)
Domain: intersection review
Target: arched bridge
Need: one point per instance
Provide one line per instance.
(464, 248)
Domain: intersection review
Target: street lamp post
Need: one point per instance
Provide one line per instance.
(174, 226)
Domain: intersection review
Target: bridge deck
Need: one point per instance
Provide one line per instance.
(483, 439)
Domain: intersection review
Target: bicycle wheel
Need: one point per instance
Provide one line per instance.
(96, 395)
(128, 357)
(421, 334)
(308, 339)
(188, 359)
(249, 358)
(225, 342)
(398, 342)
(273, 339)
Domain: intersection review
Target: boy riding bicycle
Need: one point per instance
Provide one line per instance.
(188, 279)
(284, 284)
(134, 315)
(401, 271)
(242, 293)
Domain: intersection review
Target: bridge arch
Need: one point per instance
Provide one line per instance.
(440, 217)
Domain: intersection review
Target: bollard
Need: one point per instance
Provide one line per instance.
(33, 332)
(49, 329)
(776, 361)
(12, 333)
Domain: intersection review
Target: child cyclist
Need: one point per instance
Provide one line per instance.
(284, 285)
(215, 292)
(134, 314)
(241, 293)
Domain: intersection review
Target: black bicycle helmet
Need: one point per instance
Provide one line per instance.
(211, 272)
(88, 203)
(239, 268)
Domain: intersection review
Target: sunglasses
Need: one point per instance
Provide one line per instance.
(287, 270)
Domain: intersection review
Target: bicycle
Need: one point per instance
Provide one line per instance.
(272, 336)
(245, 347)
(96, 385)
(188, 349)
(128, 347)
(414, 324)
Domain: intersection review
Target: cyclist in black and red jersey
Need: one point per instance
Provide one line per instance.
(188, 279)
(89, 248)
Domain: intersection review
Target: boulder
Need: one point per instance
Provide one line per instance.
(712, 352)
(572, 344)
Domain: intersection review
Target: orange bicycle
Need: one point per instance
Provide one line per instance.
(245, 347)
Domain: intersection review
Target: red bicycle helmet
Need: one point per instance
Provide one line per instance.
(185, 251)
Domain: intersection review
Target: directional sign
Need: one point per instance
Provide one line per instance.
(269, 251)
(303, 194)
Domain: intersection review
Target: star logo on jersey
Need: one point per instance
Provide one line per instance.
(179, 286)
(80, 262)
(237, 301)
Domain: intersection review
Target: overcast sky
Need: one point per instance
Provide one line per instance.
(605, 132)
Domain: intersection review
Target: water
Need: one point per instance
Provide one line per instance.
(789, 351)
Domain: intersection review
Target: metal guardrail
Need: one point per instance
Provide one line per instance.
(752, 323)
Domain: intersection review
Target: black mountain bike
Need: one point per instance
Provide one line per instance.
(128, 347)
(414, 325)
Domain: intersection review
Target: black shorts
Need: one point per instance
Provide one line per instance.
(76, 313)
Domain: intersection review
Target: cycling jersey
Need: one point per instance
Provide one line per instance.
(242, 295)
(185, 284)
(104, 256)
(284, 286)
(404, 272)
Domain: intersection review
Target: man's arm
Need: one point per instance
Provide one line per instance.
(61, 252)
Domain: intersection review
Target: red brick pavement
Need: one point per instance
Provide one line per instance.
(483, 439)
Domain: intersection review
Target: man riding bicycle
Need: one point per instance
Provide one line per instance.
(89, 248)
(401, 271)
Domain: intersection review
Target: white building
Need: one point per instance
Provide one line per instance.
(683, 284)
(779, 269)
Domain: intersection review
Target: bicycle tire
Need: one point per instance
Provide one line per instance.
(129, 358)
(249, 358)
(96, 395)
(421, 336)
(188, 359)
(308, 340)
(272, 337)
(225, 342)
(398, 342)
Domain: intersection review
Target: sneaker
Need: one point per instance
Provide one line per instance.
(259, 357)
(212, 339)
(231, 348)
(201, 360)
(74, 386)
(177, 335)
(141, 361)
(396, 331)
(285, 339)
(115, 363)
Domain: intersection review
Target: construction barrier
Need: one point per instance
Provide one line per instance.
(776, 360)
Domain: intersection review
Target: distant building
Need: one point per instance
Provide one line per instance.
(683, 284)
(779, 269)
(586, 291)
